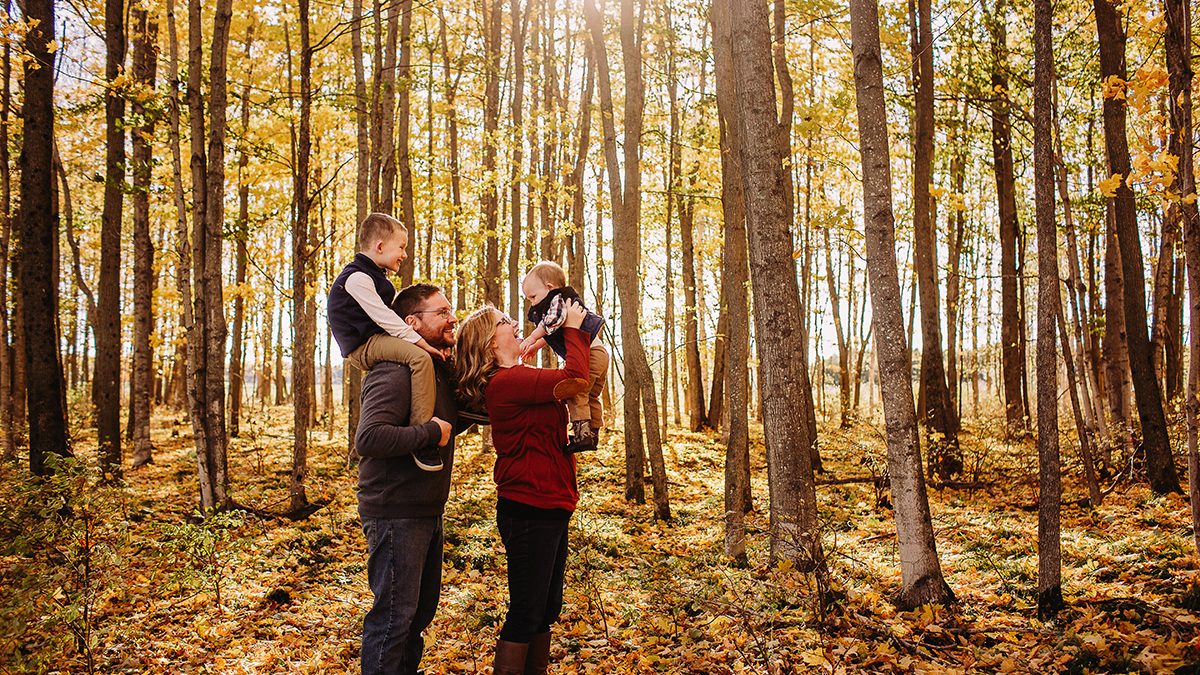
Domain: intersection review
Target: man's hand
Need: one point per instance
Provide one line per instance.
(575, 314)
(446, 430)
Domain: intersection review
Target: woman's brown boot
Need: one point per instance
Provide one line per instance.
(538, 659)
(510, 657)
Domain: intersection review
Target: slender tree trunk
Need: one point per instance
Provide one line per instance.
(106, 382)
(145, 65)
(735, 275)
(626, 203)
(843, 348)
(237, 364)
(1012, 352)
(491, 123)
(1085, 440)
(362, 201)
(1050, 599)
(1160, 467)
(1162, 274)
(921, 573)
(941, 420)
(1093, 412)
(578, 259)
(304, 346)
(8, 421)
(778, 55)
(794, 532)
(520, 24)
(698, 418)
(183, 256)
(39, 221)
(956, 230)
(206, 340)
(1178, 41)
(408, 211)
(450, 87)
(1116, 347)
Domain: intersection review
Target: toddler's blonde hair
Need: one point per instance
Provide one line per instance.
(549, 272)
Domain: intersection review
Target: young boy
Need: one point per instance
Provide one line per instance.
(368, 330)
(546, 289)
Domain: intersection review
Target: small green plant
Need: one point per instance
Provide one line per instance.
(63, 533)
(207, 544)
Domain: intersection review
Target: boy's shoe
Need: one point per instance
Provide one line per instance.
(583, 439)
(428, 459)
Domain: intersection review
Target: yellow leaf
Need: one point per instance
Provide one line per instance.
(1114, 87)
(1108, 186)
(1190, 199)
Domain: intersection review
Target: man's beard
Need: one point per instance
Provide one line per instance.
(439, 341)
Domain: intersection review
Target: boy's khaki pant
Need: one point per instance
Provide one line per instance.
(587, 406)
(383, 347)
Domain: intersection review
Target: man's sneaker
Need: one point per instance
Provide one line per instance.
(428, 459)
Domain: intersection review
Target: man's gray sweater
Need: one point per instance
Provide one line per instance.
(390, 485)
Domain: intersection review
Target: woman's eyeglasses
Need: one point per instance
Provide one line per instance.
(506, 320)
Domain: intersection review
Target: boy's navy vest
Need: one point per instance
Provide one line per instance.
(347, 319)
(593, 323)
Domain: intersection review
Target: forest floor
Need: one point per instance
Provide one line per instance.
(126, 579)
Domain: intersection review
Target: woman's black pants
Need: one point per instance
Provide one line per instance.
(537, 556)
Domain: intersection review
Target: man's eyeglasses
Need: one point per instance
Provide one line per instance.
(443, 313)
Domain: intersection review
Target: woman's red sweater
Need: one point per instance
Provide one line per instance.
(529, 428)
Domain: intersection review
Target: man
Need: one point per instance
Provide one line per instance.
(400, 505)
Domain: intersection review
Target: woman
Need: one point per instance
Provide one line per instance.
(535, 477)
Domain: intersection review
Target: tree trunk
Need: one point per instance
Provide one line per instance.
(362, 201)
(179, 396)
(1162, 274)
(237, 364)
(921, 573)
(206, 340)
(1012, 351)
(1116, 347)
(1050, 599)
(735, 318)
(1093, 412)
(1160, 467)
(843, 349)
(578, 257)
(626, 206)
(404, 90)
(794, 532)
(698, 417)
(39, 222)
(1179, 67)
(491, 122)
(1085, 440)
(941, 420)
(106, 382)
(8, 421)
(302, 352)
(520, 24)
(145, 66)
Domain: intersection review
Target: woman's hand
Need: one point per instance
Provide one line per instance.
(575, 314)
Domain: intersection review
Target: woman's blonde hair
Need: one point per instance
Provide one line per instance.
(475, 355)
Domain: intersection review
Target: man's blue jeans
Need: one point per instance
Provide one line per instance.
(405, 573)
